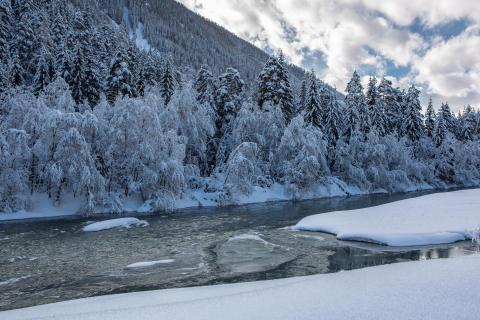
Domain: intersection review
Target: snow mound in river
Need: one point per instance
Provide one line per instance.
(114, 223)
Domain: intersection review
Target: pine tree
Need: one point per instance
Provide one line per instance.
(430, 119)
(286, 95)
(357, 114)
(441, 131)
(15, 71)
(469, 123)
(333, 120)
(25, 44)
(167, 83)
(228, 97)
(412, 123)
(274, 86)
(205, 86)
(42, 75)
(119, 79)
(377, 116)
(302, 99)
(389, 98)
(312, 111)
(6, 16)
(77, 77)
(448, 117)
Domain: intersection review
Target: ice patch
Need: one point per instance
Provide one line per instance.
(146, 264)
(249, 252)
(115, 223)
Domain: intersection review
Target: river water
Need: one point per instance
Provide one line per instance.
(53, 260)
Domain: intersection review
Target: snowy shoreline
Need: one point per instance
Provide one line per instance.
(396, 291)
(44, 209)
(437, 218)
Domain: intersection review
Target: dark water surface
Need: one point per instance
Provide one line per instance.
(54, 260)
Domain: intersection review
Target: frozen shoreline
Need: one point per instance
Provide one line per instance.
(43, 207)
(434, 289)
(437, 218)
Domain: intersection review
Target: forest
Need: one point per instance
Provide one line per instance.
(84, 111)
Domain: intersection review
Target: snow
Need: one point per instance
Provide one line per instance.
(434, 289)
(146, 264)
(114, 223)
(432, 219)
(43, 208)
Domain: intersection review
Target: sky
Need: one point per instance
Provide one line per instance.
(434, 44)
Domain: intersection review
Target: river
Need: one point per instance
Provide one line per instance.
(44, 261)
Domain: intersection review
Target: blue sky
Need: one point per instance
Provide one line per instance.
(432, 44)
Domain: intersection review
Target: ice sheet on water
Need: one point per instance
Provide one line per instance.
(250, 252)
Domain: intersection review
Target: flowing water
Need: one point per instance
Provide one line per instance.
(53, 260)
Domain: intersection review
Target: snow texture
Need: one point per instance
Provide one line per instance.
(114, 223)
(435, 289)
(431, 219)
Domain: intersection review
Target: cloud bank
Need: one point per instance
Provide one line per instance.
(434, 44)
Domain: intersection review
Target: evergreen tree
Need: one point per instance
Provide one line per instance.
(274, 86)
(357, 114)
(77, 77)
(312, 110)
(302, 99)
(228, 97)
(333, 120)
(42, 75)
(441, 131)
(448, 117)
(25, 44)
(205, 86)
(167, 83)
(374, 104)
(6, 16)
(430, 119)
(389, 98)
(15, 71)
(119, 79)
(468, 124)
(412, 124)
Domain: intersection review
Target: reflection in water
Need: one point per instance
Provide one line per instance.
(50, 261)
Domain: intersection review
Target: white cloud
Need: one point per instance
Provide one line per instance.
(362, 34)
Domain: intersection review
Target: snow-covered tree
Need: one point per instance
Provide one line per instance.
(15, 155)
(375, 107)
(167, 83)
(357, 120)
(312, 112)
(441, 131)
(412, 122)
(430, 119)
(391, 106)
(119, 79)
(274, 86)
(301, 156)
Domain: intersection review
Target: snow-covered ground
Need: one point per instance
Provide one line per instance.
(114, 223)
(431, 219)
(42, 206)
(435, 289)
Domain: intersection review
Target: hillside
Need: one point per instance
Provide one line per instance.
(189, 39)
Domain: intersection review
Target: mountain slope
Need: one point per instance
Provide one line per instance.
(189, 39)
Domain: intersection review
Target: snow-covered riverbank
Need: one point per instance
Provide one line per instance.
(42, 206)
(434, 289)
(431, 219)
